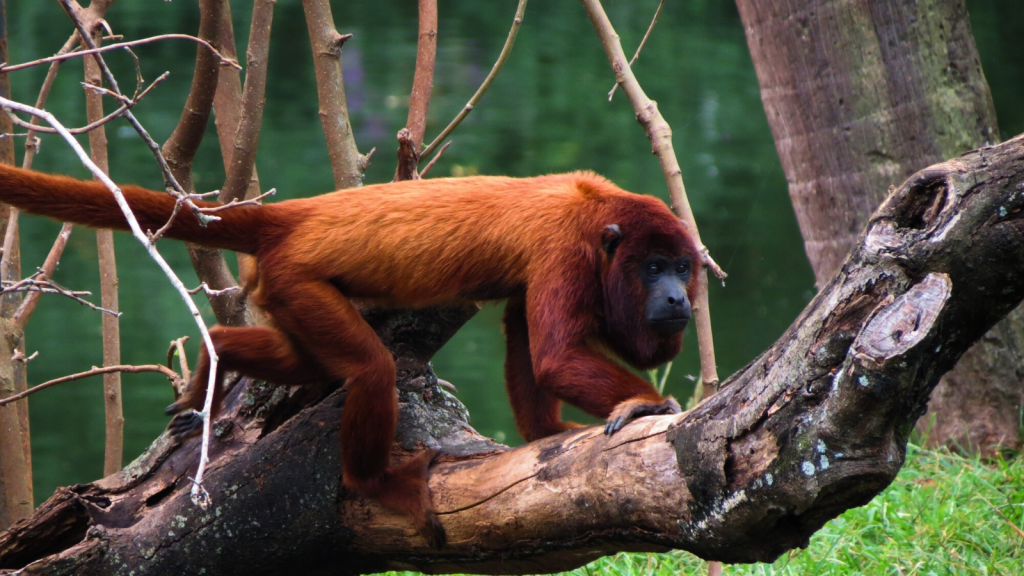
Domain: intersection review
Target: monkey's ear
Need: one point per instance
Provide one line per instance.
(611, 236)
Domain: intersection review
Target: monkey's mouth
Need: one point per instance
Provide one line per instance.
(671, 325)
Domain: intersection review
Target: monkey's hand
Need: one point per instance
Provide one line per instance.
(185, 424)
(632, 409)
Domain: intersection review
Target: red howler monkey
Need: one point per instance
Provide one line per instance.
(587, 269)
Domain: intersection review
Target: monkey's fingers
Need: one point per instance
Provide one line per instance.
(632, 409)
(185, 424)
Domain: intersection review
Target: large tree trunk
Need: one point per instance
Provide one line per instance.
(859, 95)
(814, 426)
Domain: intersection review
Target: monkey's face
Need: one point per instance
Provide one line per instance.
(647, 290)
(667, 309)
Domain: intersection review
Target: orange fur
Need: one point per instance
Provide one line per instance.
(535, 241)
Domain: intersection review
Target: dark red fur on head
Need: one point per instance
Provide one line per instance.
(655, 230)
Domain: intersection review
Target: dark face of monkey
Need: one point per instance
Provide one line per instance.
(667, 309)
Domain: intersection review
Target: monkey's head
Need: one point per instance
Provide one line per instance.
(649, 279)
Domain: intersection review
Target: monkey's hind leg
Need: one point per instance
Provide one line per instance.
(331, 329)
(258, 352)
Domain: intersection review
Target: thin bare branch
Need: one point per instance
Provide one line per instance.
(505, 51)
(112, 401)
(95, 371)
(128, 103)
(178, 347)
(15, 448)
(28, 305)
(641, 46)
(434, 160)
(205, 289)
(419, 98)
(109, 47)
(49, 287)
(235, 203)
(181, 148)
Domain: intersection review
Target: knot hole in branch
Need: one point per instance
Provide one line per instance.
(922, 204)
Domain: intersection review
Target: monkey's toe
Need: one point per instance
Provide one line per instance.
(633, 409)
(185, 424)
(433, 531)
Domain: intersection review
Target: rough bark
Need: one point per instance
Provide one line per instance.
(15, 451)
(859, 95)
(814, 426)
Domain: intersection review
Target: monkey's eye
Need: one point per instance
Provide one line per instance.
(653, 269)
(683, 268)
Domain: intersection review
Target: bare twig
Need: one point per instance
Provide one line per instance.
(28, 305)
(49, 287)
(141, 237)
(426, 169)
(95, 371)
(505, 51)
(126, 104)
(109, 47)
(205, 289)
(19, 356)
(658, 130)
(234, 203)
(178, 347)
(641, 46)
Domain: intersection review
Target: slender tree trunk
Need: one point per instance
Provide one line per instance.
(859, 95)
(15, 440)
(113, 410)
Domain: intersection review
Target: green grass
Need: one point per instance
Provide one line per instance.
(939, 517)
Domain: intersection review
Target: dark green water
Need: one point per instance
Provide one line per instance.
(547, 112)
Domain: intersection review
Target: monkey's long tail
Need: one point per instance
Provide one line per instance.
(91, 203)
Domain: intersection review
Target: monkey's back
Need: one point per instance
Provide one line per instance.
(427, 241)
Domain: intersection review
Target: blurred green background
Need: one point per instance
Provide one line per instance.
(547, 112)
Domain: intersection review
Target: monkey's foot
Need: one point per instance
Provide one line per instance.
(185, 424)
(404, 489)
(632, 409)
